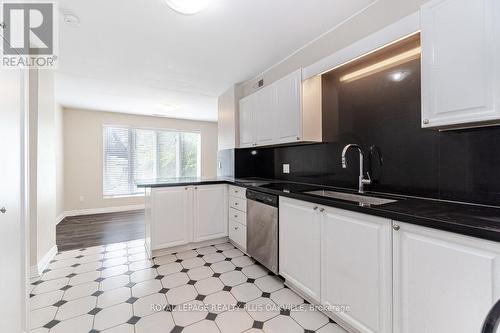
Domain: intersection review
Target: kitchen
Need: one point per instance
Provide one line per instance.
(348, 184)
(389, 250)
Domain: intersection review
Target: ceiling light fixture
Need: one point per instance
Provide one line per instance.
(188, 7)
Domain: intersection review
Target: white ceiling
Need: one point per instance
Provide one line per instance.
(142, 57)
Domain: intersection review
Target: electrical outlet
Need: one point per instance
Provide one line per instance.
(286, 168)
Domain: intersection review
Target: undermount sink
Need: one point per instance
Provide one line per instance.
(361, 199)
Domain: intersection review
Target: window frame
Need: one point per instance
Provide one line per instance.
(130, 159)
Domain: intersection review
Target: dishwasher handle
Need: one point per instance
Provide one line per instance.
(492, 320)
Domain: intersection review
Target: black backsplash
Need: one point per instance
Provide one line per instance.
(461, 165)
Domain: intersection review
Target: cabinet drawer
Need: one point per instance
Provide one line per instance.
(238, 233)
(238, 216)
(238, 192)
(237, 203)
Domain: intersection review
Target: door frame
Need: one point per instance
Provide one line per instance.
(21, 320)
(25, 191)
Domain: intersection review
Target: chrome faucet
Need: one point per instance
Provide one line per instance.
(362, 179)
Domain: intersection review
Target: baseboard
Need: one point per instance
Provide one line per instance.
(189, 246)
(37, 270)
(239, 247)
(92, 211)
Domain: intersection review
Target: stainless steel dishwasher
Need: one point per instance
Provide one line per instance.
(262, 228)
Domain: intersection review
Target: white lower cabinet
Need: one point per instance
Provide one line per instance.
(171, 218)
(356, 268)
(184, 214)
(299, 246)
(443, 282)
(238, 216)
(238, 233)
(393, 277)
(210, 212)
(337, 257)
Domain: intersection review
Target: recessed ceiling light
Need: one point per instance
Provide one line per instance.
(188, 7)
(71, 19)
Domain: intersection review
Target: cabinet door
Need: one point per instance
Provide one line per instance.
(226, 121)
(460, 62)
(443, 282)
(288, 107)
(299, 246)
(172, 217)
(210, 212)
(357, 268)
(238, 234)
(266, 120)
(247, 122)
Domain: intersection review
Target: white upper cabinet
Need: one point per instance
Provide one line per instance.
(247, 117)
(356, 269)
(288, 108)
(443, 282)
(227, 122)
(460, 63)
(265, 115)
(276, 114)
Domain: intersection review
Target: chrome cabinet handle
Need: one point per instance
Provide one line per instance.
(396, 227)
(426, 121)
(321, 210)
(3, 210)
(196, 188)
(235, 216)
(315, 208)
(235, 228)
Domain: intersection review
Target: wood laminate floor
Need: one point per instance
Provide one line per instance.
(78, 232)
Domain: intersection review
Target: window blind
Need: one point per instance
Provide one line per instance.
(135, 154)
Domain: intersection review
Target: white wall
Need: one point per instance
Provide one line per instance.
(42, 165)
(83, 154)
(381, 14)
(59, 151)
(46, 173)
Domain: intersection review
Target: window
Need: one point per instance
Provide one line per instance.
(135, 154)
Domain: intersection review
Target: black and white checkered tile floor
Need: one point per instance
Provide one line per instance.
(116, 289)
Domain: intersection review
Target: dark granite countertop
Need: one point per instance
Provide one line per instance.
(471, 220)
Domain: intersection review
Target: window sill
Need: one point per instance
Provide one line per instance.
(123, 196)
